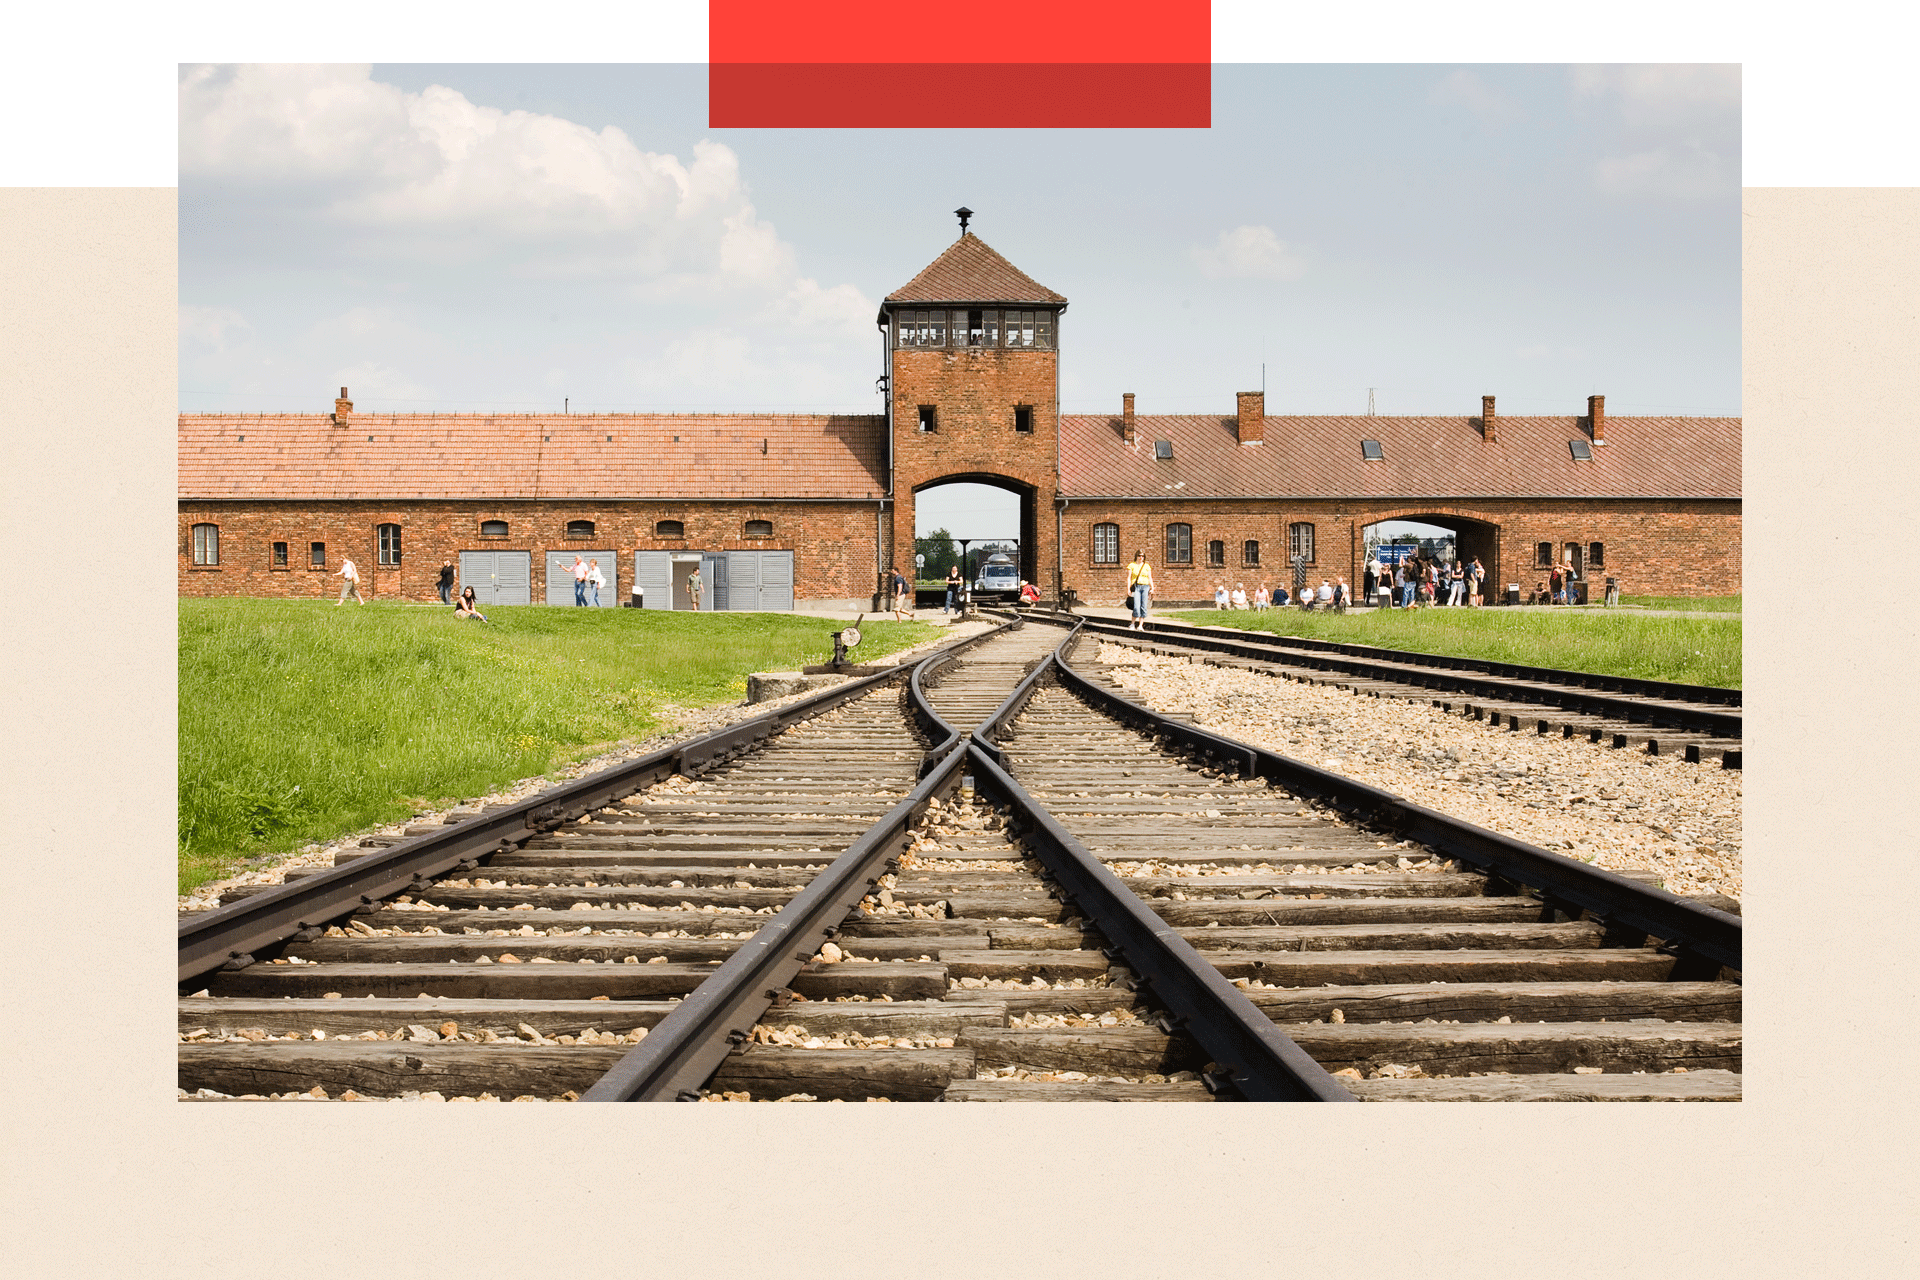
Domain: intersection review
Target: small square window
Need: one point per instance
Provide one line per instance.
(1582, 451)
(1163, 448)
(1371, 451)
(1023, 419)
(929, 419)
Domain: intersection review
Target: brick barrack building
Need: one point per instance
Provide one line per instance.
(786, 511)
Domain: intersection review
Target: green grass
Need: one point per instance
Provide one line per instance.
(1648, 647)
(300, 721)
(1693, 604)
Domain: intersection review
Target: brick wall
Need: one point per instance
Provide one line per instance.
(833, 543)
(1679, 548)
(974, 393)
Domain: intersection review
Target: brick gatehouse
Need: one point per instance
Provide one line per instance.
(785, 511)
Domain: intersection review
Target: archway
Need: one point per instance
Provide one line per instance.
(992, 515)
(1446, 534)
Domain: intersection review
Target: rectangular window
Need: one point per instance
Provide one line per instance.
(1179, 544)
(1543, 555)
(1596, 555)
(389, 537)
(1043, 329)
(1216, 553)
(929, 420)
(1300, 541)
(1250, 553)
(1106, 544)
(317, 555)
(279, 555)
(206, 544)
(1023, 419)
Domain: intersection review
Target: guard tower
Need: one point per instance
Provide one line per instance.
(972, 358)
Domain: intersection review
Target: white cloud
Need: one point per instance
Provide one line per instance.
(1680, 129)
(1465, 89)
(1249, 253)
(213, 328)
(374, 386)
(1674, 173)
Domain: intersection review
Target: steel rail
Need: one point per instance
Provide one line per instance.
(1259, 1061)
(229, 935)
(1629, 707)
(683, 1050)
(1713, 695)
(1701, 938)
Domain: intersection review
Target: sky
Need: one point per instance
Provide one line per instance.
(470, 237)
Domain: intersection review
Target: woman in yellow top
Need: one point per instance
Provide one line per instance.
(1139, 590)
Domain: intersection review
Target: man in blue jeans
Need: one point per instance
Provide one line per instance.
(580, 582)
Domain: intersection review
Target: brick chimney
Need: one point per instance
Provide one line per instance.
(1488, 429)
(1252, 407)
(1597, 418)
(342, 410)
(1126, 417)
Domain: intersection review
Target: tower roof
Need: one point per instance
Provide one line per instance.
(970, 271)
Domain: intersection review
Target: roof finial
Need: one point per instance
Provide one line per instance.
(963, 213)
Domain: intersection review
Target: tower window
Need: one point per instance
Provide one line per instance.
(206, 544)
(1023, 418)
(389, 539)
(1106, 544)
(1179, 544)
(929, 420)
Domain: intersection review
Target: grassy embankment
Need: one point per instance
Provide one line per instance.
(300, 721)
(1646, 646)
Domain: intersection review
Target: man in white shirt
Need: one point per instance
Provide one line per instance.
(1325, 594)
(349, 583)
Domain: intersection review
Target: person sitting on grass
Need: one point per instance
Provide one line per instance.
(467, 607)
(1220, 596)
(1239, 597)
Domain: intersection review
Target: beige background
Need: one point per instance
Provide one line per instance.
(1808, 1176)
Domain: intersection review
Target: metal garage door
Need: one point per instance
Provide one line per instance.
(759, 580)
(498, 577)
(560, 577)
(653, 574)
(713, 575)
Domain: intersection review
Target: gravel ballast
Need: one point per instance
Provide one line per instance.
(1618, 810)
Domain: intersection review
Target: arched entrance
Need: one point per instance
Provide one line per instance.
(991, 514)
(1449, 533)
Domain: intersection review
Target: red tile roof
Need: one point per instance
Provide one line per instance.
(1425, 457)
(692, 456)
(970, 271)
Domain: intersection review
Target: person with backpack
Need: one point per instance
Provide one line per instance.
(1139, 590)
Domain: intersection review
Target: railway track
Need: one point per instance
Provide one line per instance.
(1700, 722)
(937, 885)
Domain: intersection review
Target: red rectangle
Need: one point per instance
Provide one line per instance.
(889, 31)
(939, 95)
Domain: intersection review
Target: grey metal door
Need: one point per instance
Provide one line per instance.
(560, 577)
(498, 577)
(760, 580)
(713, 572)
(653, 574)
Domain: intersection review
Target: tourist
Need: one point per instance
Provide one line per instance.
(349, 584)
(1239, 597)
(595, 579)
(1261, 598)
(953, 587)
(1281, 596)
(1371, 578)
(446, 582)
(1220, 595)
(1029, 594)
(1325, 594)
(902, 597)
(1557, 583)
(1139, 590)
(1456, 582)
(1342, 598)
(1475, 577)
(466, 607)
(694, 586)
(580, 582)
